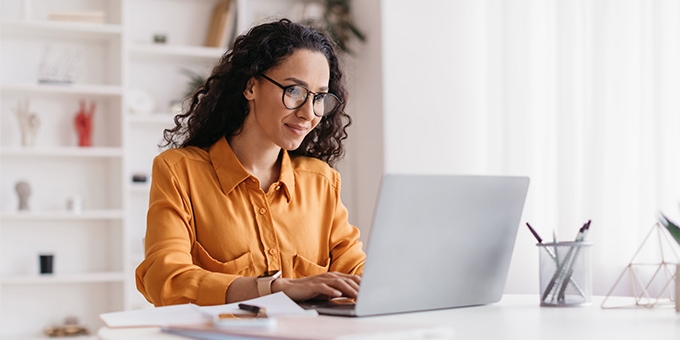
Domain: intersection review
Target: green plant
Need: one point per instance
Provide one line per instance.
(337, 21)
(340, 23)
(195, 81)
(673, 228)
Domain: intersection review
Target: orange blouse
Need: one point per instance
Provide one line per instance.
(209, 222)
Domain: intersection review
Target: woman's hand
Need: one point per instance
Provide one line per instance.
(326, 285)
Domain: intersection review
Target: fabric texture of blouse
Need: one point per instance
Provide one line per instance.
(209, 222)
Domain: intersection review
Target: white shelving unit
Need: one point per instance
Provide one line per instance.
(89, 246)
(156, 70)
(97, 249)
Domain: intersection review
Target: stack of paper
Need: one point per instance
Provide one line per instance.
(292, 322)
(278, 304)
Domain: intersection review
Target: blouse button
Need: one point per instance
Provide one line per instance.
(262, 211)
(272, 251)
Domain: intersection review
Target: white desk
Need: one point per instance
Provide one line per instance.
(515, 317)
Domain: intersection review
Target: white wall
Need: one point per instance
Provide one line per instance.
(503, 87)
(364, 164)
(443, 100)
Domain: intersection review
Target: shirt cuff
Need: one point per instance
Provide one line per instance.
(213, 289)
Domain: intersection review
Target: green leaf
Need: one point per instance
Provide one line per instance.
(673, 228)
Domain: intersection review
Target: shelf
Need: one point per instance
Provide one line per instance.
(140, 188)
(101, 277)
(61, 29)
(61, 89)
(70, 151)
(94, 214)
(102, 246)
(175, 51)
(155, 118)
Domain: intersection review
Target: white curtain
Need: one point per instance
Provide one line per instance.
(589, 107)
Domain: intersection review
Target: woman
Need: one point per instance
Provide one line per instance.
(245, 202)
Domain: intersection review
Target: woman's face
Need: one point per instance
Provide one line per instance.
(269, 121)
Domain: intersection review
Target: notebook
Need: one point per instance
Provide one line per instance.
(436, 242)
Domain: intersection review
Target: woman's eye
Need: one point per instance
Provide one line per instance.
(295, 91)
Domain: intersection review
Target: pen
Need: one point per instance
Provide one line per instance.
(569, 263)
(260, 311)
(538, 238)
(563, 274)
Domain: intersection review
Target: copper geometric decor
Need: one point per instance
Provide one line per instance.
(664, 272)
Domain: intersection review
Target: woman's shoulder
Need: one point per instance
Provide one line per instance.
(309, 166)
(189, 153)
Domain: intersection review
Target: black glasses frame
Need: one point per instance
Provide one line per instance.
(314, 98)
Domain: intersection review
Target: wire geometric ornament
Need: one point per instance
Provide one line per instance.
(665, 270)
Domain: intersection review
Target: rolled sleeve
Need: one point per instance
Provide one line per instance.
(168, 274)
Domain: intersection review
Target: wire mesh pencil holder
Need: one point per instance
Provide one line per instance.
(565, 274)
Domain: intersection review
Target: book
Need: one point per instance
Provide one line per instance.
(221, 27)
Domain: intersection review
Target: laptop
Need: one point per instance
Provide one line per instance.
(437, 241)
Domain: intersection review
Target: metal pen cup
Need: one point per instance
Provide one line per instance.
(565, 274)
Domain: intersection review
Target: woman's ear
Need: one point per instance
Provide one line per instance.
(249, 93)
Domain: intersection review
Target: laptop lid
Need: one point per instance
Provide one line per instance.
(440, 241)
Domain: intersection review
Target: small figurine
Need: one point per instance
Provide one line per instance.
(28, 122)
(69, 328)
(83, 123)
(23, 191)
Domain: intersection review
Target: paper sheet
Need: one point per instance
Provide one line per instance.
(277, 304)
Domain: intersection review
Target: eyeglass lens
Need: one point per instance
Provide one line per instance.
(295, 96)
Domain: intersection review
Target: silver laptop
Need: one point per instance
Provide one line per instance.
(437, 241)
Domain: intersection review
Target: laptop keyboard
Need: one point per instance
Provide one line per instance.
(337, 303)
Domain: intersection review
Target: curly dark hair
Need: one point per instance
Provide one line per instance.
(218, 108)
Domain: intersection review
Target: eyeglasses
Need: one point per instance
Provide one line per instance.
(294, 96)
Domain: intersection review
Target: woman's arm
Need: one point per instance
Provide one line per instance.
(331, 284)
(168, 274)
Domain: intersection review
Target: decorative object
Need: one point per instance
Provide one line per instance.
(58, 65)
(83, 123)
(663, 274)
(23, 191)
(221, 26)
(139, 178)
(29, 123)
(336, 20)
(677, 288)
(70, 328)
(674, 230)
(160, 38)
(46, 263)
(75, 204)
(140, 101)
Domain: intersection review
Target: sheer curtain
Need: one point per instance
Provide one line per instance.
(588, 105)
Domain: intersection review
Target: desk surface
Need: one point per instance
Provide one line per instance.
(515, 317)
